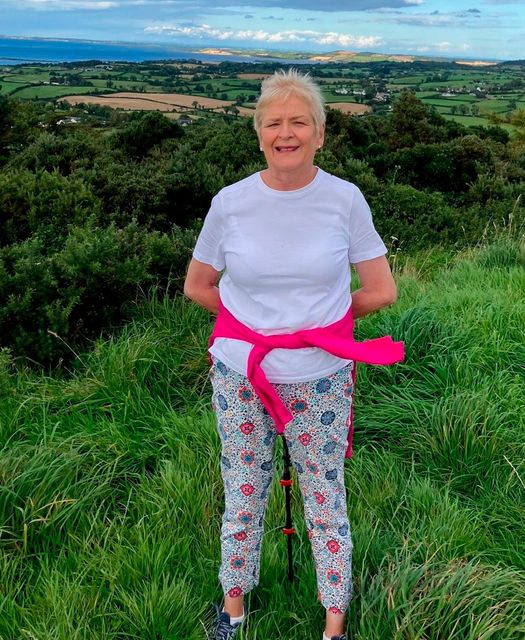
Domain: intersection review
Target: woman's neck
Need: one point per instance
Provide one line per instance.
(286, 180)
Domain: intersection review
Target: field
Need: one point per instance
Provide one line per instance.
(111, 497)
(152, 102)
(467, 93)
(170, 102)
(350, 107)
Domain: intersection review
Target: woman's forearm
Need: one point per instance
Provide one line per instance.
(365, 301)
(207, 298)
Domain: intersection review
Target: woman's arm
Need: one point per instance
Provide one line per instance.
(201, 285)
(377, 289)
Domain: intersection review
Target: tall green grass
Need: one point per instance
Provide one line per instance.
(111, 496)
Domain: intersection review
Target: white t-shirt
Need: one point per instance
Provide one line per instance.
(286, 259)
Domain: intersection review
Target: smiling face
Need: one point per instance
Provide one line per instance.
(289, 140)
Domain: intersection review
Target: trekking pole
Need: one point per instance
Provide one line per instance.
(288, 529)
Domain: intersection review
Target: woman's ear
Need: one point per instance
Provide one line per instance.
(321, 136)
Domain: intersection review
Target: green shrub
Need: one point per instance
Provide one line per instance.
(54, 302)
(44, 202)
(417, 218)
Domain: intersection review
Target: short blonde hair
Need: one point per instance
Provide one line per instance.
(283, 84)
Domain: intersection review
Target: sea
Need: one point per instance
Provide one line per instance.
(22, 51)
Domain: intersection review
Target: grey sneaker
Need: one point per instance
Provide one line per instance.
(343, 637)
(223, 630)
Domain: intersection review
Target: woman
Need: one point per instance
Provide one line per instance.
(282, 350)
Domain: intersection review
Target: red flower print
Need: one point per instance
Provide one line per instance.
(240, 536)
(310, 534)
(319, 498)
(312, 467)
(248, 457)
(333, 546)
(245, 517)
(245, 394)
(237, 562)
(235, 592)
(335, 610)
(247, 489)
(305, 438)
(334, 577)
(298, 405)
(321, 524)
(247, 428)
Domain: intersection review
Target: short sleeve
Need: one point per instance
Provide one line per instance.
(364, 241)
(209, 245)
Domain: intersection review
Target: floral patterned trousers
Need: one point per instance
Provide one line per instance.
(317, 440)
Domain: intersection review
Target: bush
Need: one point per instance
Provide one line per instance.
(417, 218)
(56, 302)
(42, 202)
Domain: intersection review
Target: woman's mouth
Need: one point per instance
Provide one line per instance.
(286, 149)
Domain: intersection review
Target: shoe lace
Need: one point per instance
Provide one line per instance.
(224, 630)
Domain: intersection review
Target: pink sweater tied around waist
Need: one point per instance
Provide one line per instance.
(336, 338)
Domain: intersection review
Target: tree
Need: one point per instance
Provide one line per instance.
(412, 122)
(144, 132)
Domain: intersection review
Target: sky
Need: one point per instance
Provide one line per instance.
(461, 29)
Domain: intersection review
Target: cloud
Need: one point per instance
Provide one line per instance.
(463, 18)
(207, 32)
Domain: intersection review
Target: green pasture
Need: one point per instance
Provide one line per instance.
(408, 80)
(111, 497)
(445, 83)
(35, 77)
(446, 102)
(466, 120)
(493, 106)
(7, 87)
(47, 92)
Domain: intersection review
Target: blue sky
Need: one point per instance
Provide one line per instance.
(484, 29)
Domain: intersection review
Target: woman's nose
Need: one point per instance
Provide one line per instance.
(284, 131)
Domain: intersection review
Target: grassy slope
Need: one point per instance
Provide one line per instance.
(110, 494)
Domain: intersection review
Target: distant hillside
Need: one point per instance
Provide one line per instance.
(340, 56)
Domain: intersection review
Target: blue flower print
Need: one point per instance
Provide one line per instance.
(323, 385)
(267, 466)
(299, 467)
(226, 462)
(222, 402)
(268, 438)
(331, 475)
(222, 367)
(343, 530)
(329, 447)
(328, 417)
